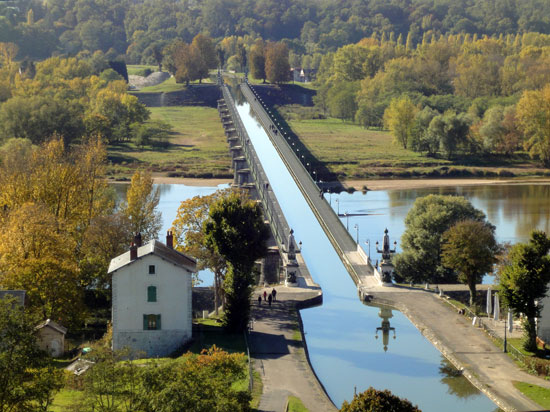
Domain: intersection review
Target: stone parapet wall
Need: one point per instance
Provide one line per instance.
(153, 343)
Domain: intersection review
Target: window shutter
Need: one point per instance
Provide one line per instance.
(151, 294)
(145, 325)
(158, 322)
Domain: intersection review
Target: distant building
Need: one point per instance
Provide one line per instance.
(152, 297)
(297, 74)
(51, 338)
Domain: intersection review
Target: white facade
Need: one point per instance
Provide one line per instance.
(152, 312)
(543, 323)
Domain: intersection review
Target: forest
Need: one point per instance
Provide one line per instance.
(136, 29)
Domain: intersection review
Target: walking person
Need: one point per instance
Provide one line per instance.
(274, 294)
(269, 299)
(259, 300)
(265, 295)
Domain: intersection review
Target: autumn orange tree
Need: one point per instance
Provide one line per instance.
(141, 204)
(54, 215)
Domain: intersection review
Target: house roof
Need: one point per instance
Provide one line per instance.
(17, 294)
(54, 325)
(155, 247)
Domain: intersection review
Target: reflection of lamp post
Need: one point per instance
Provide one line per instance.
(368, 243)
(347, 220)
(338, 210)
(385, 314)
(356, 233)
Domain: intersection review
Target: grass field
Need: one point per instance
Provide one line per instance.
(197, 147)
(536, 393)
(351, 151)
(63, 400)
(137, 68)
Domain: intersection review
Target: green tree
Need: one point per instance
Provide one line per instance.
(27, 378)
(257, 60)
(141, 204)
(277, 67)
(399, 119)
(236, 230)
(469, 247)
(191, 238)
(204, 51)
(373, 400)
(341, 101)
(425, 224)
(524, 281)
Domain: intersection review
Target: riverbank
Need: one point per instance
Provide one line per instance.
(466, 346)
(375, 184)
(401, 184)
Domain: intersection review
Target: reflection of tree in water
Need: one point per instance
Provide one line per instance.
(526, 205)
(458, 385)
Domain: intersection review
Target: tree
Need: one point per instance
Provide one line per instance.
(38, 256)
(142, 200)
(27, 378)
(257, 60)
(277, 67)
(236, 230)
(373, 400)
(399, 118)
(341, 101)
(204, 51)
(200, 383)
(524, 281)
(469, 247)
(425, 224)
(190, 236)
(533, 115)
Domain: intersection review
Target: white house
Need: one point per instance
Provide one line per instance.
(151, 309)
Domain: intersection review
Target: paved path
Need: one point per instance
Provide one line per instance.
(466, 346)
(279, 358)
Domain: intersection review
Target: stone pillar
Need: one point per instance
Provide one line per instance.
(270, 265)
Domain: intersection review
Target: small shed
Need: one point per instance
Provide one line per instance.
(51, 338)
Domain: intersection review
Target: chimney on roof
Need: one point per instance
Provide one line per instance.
(133, 251)
(170, 239)
(137, 240)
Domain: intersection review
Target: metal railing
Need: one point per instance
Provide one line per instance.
(272, 209)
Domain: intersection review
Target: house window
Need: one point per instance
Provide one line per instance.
(151, 293)
(151, 322)
(151, 269)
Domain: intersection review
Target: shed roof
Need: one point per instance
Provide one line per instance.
(155, 247)
(54, 325)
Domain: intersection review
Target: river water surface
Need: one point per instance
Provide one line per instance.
(341, 334)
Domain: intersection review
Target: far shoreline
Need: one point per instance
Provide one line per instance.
(374, 184)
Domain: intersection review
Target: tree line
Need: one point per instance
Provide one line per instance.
(138, 28)
(447, 95)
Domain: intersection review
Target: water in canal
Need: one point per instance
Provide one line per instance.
(341, 334)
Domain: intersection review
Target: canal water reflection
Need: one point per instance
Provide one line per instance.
(341, 334)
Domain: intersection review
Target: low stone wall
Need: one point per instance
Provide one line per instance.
(153, 343)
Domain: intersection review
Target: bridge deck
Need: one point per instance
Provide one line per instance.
(360, 270)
